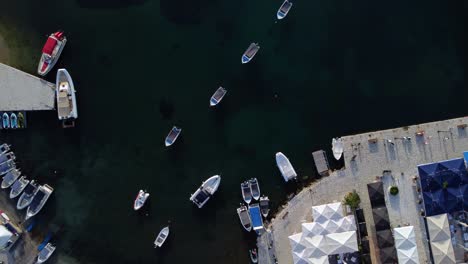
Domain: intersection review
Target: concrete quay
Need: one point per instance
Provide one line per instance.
(398, 152)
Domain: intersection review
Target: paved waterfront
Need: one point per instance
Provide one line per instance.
(364, 162)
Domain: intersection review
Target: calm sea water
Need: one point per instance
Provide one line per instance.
(330, 68)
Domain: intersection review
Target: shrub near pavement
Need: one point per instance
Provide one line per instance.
(352, 199)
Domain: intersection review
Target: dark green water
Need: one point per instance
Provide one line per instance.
(336, 67)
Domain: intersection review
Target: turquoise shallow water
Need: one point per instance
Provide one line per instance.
(330, 68)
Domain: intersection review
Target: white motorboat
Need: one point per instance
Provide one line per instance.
(172, 136)
(4, 148)
(218, 96)
(51, 52)
(45, 253)
(27, 196)
(39, 200)
(337, 148)
(285, 167)
(7, 156)
(246, 192)
(162, 236)
(250, 52)
(264, 205)
(10, 178)
(206, 190)
(140, 200)
(244, 217)
(284, 9)
(7, 166)
(18, 187)
(254, 188)
(66, 99)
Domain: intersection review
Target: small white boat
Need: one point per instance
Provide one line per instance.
(250, 52)
(18, 187)
(4, 148)
(337, 148)
(5, 121)
(39, 200)
(10, 178)
(66, 100)
(7, 166)
(45, 253)
(172, 136)
(206, 190)
(246, 192)
(7, 156)
(244, 217)
(254, 188)
(51, 52)
(253, 255)
(264, 205)
(218, 96)
(284, 9)
(285, 167)
(162, 236)
(27, 196)
(140, 200)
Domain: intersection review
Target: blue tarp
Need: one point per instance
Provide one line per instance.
(465, 155)
(256, 217)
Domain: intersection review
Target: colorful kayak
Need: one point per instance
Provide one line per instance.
(14, 121)
(5, 121)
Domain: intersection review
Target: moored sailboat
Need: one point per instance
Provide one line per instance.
(244, 217)
(162, 236)
(206, 190)
(250, 52)
(172, 136)
(51, 52)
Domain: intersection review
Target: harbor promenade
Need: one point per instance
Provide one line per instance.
(391, 156)
(22, 91)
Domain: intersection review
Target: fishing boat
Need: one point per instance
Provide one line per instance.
(284, 9)
(264, 205)
(206, 190)
(140, 200)
(10, 178)
(256, 217)
(14, 121)
(5, 121)
(246, 192)
(7, 166)
(39, 200)
(27, 196)
(172, 136)
(66, 100)
(217, 96)
(45, 253)
(4, 148)
(244, 217)
(253, 255)
(18, 187)
(51, 52)
(21, 120)
(45, 241)
(250, 52)
(161, 238)
(337, 148)
(254, 188)
(7, 156)
(285, 167)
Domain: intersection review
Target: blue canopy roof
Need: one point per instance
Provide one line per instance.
(465, 155)
(256, 216)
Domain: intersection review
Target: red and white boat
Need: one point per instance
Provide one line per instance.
(51, 52)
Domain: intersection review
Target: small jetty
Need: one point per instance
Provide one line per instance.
(321, 162)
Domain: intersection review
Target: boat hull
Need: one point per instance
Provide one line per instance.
(250, 53)
(5, 121)
(64, 76)
(172, 136)
(337, 148)
(285, 167)
(53, 60)
(282, 13)
(161, 238)
(254, 188)
(140, 200)
(22, 182)
(206, 190)
(217, 96)
(244, 218)
(246, 192)
(10, 178)
(34, 211)
(13, 121)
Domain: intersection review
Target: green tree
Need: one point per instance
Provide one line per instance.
(352, 199)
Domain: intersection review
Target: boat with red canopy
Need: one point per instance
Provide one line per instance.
(51, 52)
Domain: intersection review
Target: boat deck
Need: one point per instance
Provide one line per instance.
(22, 91)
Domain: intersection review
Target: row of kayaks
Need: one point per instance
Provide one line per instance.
(33, 196)
(12, 120)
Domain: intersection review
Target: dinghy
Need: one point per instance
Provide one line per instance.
(51, 52)
(246, 192)
(284, 9)
(254, 188)
(27, 196)
(264, 205)
(140, 200)
(10, 178)
(18, 187)
(45, 253)
(39, 200)
(172, 136)
(206, 190)
(7, 156)
(218, 96)
(250, 52)
(14, 121)
(5, 121)
(7, 166)
(161, 238)
(253, 255)
(285, 167)
(337, 148)
(244, 217)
